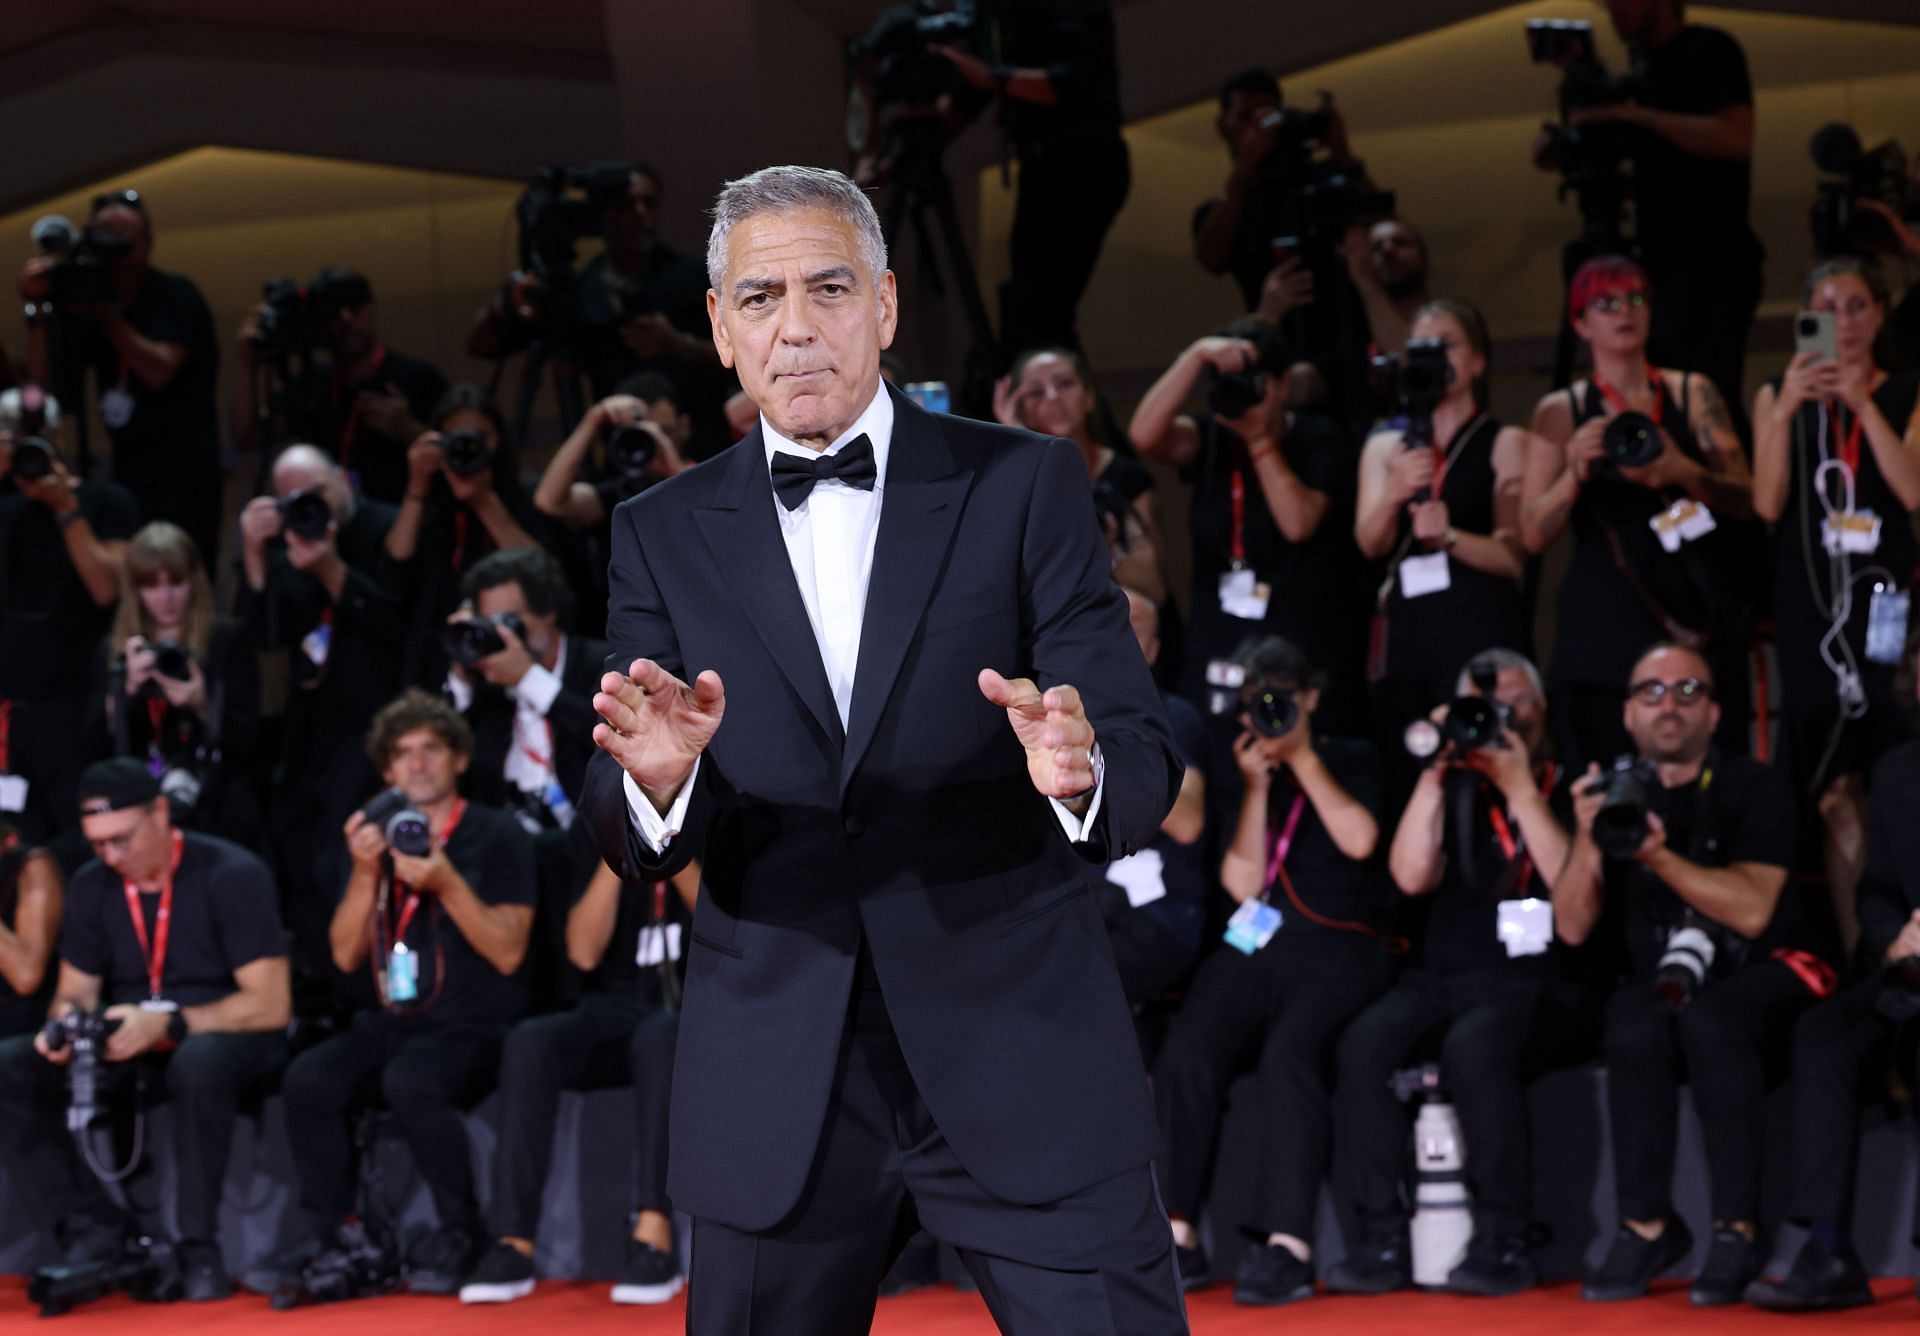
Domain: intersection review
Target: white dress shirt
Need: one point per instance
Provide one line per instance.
(529, 764)
(830, 539)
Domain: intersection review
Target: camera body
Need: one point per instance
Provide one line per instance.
(1472, 723)
(299, 319)
(306, 513)
(1620, 826)
(474, 638)
(895, 57)
(406, 830)
(466, 453)
(1414, 384)
(33, 459)
(1631, 441)
(1854, 173)
(84, 1034)
(173, 660)
(630, 450)
(1234, 394)
(84, 272)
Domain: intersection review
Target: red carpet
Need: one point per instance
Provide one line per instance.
(581, 1309)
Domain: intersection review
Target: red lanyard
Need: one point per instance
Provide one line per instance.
(156, 716)
(1850, 444)
(412, 905)
(1239, 520)
(1503, 833)
(1283, 845)
(659, 902)
(352, 429)
(6, 733)
(544, 762)
(1613, 396)
(155, 954)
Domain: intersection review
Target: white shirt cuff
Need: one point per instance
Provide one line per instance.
(1078, 826)
(656, 830)
(461, 692)
(537, 689)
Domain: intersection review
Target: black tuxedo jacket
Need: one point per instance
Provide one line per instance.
(916, 827)
(572, 717)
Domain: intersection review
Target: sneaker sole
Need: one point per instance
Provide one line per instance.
(501, 1292)
(648, 1294)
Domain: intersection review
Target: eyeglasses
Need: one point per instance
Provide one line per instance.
(1613, 302)
(125, 198)
(1688, 691)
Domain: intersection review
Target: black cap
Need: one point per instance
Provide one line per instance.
(116, 784)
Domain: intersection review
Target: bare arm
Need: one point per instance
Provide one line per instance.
(1722, 483)
(1577, 890)
(1159, 429)
(1243, 868)
(1726, 133)
(1548, 487)
(1296, 508)
(155, 363)
(26, 947)
(1354, 831)
(1742, 896)
(1896, 450)
(499, 522)
(261, 1002)
(347, 933)
(1417, 858)
(559, 494)
(1188, 819)
(403, 539)
(76, 990)
(590, 921)
(1772, 445)
(497, 932)
(1378, 505)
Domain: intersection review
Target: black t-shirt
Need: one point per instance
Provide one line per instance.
(226, 914)
(1073, 41)
(456, 983)
(21, 1013)
(1462, 927)
(1738, 811)
(1181, 912)
(644, 908)
(377, 462)
(49, 623)
(1330, 885)
(1692, 210)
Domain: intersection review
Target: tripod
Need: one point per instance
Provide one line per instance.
(548, 352)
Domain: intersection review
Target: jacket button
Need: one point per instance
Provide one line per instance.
(854, 826)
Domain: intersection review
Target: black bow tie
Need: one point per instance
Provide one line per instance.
(794, 476)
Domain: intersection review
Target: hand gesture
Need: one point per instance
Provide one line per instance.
(1052, 726)
(471, 490)
(1006, 403)
(248, 337)
(260, 524)
(621, 410)
(1589, 795)
(1656, 839)
(1287, 285)
(35, 285)
(655, 726)
(56, 491)
(139, 658)
(1508, 766)
(386, 412)
(304, 554)
(1224, 354)
(1411, 470)
(505, 668)
(188, 695)
(1807, 378)
(424, 462)
(137, 1031)
(366, 842)
(1587, 446)
(427, 876)
(59, 1057)
(1908, 942)
(1252, 148)
(1254, 760)
(1430, 523)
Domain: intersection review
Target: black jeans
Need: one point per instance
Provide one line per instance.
(606, 1040)
(1070, 193)
(1483, 1022)
(1720, 1039)
(206, 1080)
(427, 1077)
(1285, 1003)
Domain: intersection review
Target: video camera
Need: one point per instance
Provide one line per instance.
(395, 816)
(1589, 158)
(893, 62)
(474, 638)
(147, 1269)
(560, 208)
(85, 1033)
(84, 272)
(1855, 173)
(299, 319)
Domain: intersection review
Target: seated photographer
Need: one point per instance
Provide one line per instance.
(61, 545)
(626, 942)
(171, 939)
(1688, 850)
(31, 892)
(1644, 462)
(376, 402)
(1484, 835)
(1836, 469)
(1445, 517)
(1049, 390)
(179, 689)
(1859, 1033)
(1295, 972)
(442, 927)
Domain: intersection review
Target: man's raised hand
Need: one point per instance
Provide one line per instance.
(656, 726)
(1053, 728)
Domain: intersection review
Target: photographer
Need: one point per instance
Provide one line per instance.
(1295, 972)
(444, 934)
(31, 892)
(1645, 464)
(1484, 836)
(645, 403)
(179, 688)
(148, 339)
(1836, 451)
(1697, 849)
(62, 542)
(1446, 519)
(172, 938)
(376, 400)
(626, 941)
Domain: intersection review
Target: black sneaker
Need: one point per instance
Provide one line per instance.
(1378, 1265)
(1495, 1266)
(1817, 1278)
(648, 1277)
(1733, 1260)
(503, 1275)
(203, 1276)
(1196, 1272)
(1632, 1262)
(440, 1260)
(1273, 1276)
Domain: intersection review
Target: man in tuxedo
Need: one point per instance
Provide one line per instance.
(872, 670)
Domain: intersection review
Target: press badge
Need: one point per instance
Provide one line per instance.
(1855, 532)
(658, 943)
(1525, 927)
(1252, 926)
(1682, 522)
(314, 644)
(13, 793)
(403, 974)
(116, 407)
(1244, 596)
(1426, 574)
(1887, 613)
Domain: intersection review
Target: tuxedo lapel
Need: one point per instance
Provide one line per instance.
(743, 536)
(919, 511)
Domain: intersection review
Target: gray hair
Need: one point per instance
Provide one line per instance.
(1500, 660)
(784, 189)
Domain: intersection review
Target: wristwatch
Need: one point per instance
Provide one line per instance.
(177, 1028)
(1098, 764)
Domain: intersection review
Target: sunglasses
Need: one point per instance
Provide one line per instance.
(129, 199)
(1687, 691)
(1614, 302)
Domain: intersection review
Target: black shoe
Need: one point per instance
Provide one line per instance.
(203, 1276)
(649, 1276)
(280, 1270)
(1273, 1276)
(1632, 1262)
(1733, 1260)
(440, 1260)
(504, 1274)
(1817, 1278)
(1378, 1265)
(1495, 1266)
(1196, 1272)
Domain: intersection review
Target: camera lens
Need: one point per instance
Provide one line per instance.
(32, 459)
(1236, 393)
(307, 514)
(1273, 712)
(465, 451)
(171, 660)
(1631, 441)
(630, 450)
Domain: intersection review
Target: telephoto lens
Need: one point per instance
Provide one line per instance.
(1234, 394)
(630, 450)
(474, 638)
(406, 829)
(1273, 712)
(466, 452)
(1683, 965)
(1631, 441)
(1620, 826)
(306, 514)
(32, 459)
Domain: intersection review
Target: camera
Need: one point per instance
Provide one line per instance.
(32, 459)
(1855, 173)
(147, 1269)
(85, 1033)
(1414, 384)
(306, 513)
(173, 660)
(561, 207)
(895, 59)
(630, 450)
(1272, 710)
(1234, 394)
(1684, 963)
(474, 638)
(1471, 723)
(1631, 441)
(1589, 158)
(466, 453)
(299, 319)
(406, 829)
(1620, 826)
(84, 272)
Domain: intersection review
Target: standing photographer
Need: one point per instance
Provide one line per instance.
(1691, 853)
(443, 931)
(171, 938)
(1297, 969)
(1484, 836)
(31, 893)
(1836, 451)
(148, 339)
(1644, 462)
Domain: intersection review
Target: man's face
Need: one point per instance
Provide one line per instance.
(543, 628)
(802, 322)
(305, 471)
(353, 332)
(631, 227)
(120, 220)
(1145, 620)
(423, 765)
(136, 842)
(663, 414)
(1398, 257)
(1240, 113)
(1670, 709)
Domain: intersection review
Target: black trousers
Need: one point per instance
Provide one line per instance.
(1483, 1022)
(1070, 193)
(1098, 1262)
(606, 1040)
(206, 1080)
(1720, 1040)
(427, 1077)
(1284, 1005)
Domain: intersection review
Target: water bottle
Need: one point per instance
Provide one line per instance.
(1442, 1215)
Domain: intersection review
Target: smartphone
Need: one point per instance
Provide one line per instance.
(1284, 247)
(931, 395)
(1813, 333)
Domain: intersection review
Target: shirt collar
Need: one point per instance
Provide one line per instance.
(876, 423)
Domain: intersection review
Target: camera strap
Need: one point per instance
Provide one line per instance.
(412, 905)
(1385, 591)
(1618, 402)
(1238, 496)
(1849, 445)
(1514, 847)
(1283, 843)
(6, 735)
(155, 952)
